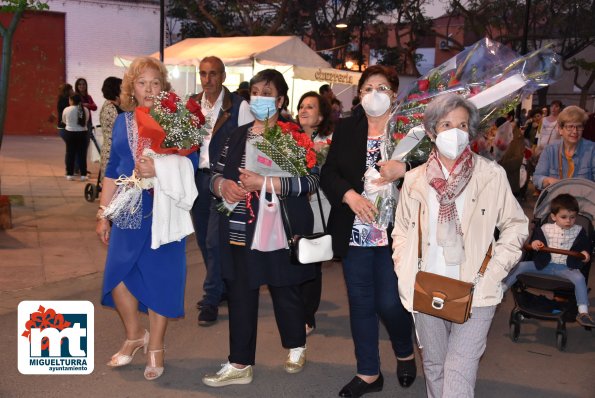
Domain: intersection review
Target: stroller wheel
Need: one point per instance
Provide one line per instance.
(90, 192)
(561, 341)
(514, 331)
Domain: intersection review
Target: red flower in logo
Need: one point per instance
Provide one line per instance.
(43, 319)
(170, 101)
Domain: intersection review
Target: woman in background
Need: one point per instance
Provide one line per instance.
(75, 118)
(81, 88)
(107, 116)
(314, 117)
(64, 92)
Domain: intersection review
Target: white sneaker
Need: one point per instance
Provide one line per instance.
(70, 178)
(84, 178)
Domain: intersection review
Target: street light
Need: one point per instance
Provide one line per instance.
(341, 24)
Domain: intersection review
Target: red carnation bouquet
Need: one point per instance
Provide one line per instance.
(282, 151)
(171, 126)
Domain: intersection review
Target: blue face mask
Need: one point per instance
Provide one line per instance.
(262, 108)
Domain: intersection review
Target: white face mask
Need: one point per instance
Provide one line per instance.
(451, 143)
(375, 103)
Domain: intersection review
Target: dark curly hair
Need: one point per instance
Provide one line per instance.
(325, 127)
(111, 88)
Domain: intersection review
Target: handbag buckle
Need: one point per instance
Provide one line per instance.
(437, 303)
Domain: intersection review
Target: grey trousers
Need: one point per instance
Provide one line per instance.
(451, 352)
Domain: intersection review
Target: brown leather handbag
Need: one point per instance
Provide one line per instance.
(440, 296)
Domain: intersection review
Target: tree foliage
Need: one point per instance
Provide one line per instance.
(16, 8)
(313, 20)
(568, 24)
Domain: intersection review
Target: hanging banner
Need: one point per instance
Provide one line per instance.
(328, 75)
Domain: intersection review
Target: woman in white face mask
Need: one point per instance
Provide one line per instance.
(459, 199)
(363, 245)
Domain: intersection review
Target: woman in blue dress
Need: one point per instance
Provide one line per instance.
(138, 278)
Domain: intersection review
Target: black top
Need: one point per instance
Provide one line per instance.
(344, 170)
(62, 104)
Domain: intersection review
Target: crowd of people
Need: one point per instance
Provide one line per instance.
(445, 216)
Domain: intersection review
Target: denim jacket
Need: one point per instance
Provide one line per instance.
(549, 162)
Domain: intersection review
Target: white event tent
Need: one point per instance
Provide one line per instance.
(303, 69)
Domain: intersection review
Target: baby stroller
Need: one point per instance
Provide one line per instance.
(92, 190)
(561, 306)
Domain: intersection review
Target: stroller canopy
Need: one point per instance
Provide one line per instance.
(583, 190)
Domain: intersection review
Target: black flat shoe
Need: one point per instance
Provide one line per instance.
(357, 387)
(406, 372)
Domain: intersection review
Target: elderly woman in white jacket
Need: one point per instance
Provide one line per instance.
(463, 198)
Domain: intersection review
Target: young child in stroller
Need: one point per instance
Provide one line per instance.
(562, 234)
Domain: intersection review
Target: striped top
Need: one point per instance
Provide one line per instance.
(290, 186)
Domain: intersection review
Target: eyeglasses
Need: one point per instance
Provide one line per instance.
(577, 127)
(381, 89)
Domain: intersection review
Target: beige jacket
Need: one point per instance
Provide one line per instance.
(489, 204)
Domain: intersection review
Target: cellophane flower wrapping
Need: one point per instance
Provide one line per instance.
(282, 150)
(172, 126)
(489, 74)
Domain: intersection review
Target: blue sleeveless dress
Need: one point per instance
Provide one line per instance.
(157, 278)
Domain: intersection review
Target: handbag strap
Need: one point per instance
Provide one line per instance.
(286, 223)
(321, 212)
(484, 264)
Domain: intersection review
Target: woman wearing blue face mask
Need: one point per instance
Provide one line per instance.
(459, 198)
(245, 270)
(364, 246)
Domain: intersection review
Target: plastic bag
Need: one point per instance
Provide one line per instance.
(269, 233)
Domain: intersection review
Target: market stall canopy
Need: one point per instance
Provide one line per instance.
(241, 51)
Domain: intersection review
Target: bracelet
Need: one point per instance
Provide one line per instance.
(99, 215)
(219, 187)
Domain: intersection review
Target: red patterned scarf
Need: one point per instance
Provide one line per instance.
(449, 232)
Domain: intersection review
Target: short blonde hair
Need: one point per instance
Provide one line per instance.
(138, 66)
(572, 114)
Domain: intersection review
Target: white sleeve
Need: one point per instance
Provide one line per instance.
(244, 115)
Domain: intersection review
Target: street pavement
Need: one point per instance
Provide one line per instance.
(52, 253)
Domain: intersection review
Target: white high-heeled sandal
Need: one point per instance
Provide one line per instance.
(119, 359)
(157, 371)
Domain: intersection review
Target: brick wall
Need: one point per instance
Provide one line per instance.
(37, 68)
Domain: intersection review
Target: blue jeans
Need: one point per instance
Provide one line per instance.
(373, 296)
(561, 270)
(206, 226)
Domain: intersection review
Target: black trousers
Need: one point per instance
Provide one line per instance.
(311, 291)
(76, 148)
(243, 313)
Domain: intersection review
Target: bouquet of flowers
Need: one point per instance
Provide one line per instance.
(170, 127)
(321, 149)
(489, 74)
(282, 150)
